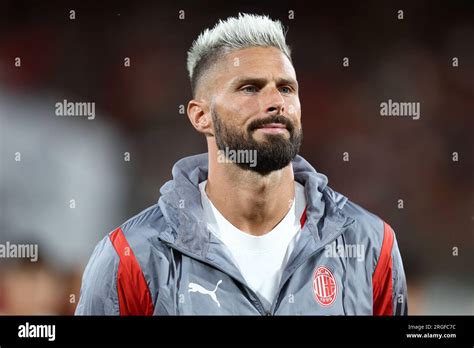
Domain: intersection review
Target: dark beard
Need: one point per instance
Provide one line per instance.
(273, 153)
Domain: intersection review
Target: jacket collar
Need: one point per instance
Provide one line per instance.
(180, 203)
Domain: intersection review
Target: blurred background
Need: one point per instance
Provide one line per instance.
(74, 181)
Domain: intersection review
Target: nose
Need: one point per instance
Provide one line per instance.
(274, 103)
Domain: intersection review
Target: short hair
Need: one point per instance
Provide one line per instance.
(234, 33)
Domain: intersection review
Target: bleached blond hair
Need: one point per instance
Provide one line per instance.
(234, 33)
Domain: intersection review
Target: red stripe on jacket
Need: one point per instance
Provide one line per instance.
(133, 292)
(303, 217)
(382, 276)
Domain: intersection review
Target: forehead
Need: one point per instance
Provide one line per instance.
(258, 62)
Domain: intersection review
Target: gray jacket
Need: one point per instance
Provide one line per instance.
(164, 261)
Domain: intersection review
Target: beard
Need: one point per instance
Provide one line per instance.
(273, 153)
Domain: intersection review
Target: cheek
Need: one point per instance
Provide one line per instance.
(294, 110)
(246, 105)
(238, 109)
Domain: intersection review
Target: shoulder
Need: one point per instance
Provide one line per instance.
(141, 234)
(138, 237)
(367, 229)
(128, 258)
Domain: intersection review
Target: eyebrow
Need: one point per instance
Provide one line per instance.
(246, 80)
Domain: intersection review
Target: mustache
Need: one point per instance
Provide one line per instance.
(271, 119)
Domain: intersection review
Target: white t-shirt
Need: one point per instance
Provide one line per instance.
(260, 259)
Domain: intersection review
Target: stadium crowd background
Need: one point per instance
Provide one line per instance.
(138, 111)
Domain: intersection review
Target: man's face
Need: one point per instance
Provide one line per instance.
(255, 107)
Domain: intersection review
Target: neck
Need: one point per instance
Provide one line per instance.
(251, 202)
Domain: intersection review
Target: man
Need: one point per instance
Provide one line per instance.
(250, 227)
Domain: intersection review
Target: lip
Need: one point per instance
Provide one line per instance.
(273, 125)
(273, 128)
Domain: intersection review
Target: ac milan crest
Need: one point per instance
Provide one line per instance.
(324, 286)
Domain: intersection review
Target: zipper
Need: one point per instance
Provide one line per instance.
(283, 281)
(260, 306)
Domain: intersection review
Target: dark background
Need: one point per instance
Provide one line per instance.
(138, 111)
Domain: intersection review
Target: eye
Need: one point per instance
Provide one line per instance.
(285, 89)
(249, 89)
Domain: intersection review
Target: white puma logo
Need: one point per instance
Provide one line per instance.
(193, 287)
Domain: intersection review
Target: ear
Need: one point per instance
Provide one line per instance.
(200, 116)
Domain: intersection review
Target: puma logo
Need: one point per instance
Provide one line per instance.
(193, 287)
